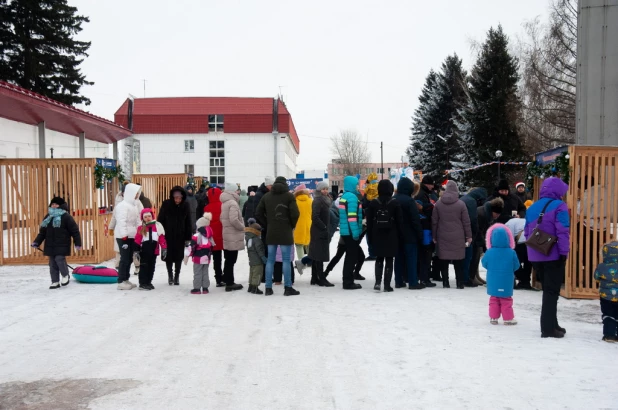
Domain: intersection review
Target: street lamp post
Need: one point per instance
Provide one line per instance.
(498, 155)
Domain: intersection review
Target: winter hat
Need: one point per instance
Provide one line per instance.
(57, 200)
(321, 185)
(146, 211)
(518, 184)
(269, 181)
(230, 187)
(503, 185)
(496, 205)
(204, 220)
(428, 180)
(281, 180)
(300, 187)
(385, 188)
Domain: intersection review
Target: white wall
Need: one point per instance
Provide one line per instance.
(249, 158)
(19, 140)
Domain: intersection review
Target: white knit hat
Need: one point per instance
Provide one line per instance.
(269, 181)
(204, 220)
(230, 187)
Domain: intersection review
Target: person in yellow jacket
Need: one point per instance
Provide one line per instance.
(303, 227)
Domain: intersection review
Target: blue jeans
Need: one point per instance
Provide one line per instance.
(467, 261)
(406, 263)
(286, 254)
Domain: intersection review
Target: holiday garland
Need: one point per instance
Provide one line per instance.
(101, 174)
(559, 168)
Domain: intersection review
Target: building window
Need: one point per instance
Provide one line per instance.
(215, 123)
(217, 162)
(189, 169)
(189, 145)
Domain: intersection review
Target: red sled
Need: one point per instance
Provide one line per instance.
(95, 274)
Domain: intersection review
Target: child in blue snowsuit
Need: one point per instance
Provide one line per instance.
(607, 274)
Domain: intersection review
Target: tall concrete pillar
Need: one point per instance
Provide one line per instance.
(115, 150)
(42, 152)
(597, 72)
(82, 145)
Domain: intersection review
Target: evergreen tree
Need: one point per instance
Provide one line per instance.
(434, 145)
(489, 121)
(38, 51)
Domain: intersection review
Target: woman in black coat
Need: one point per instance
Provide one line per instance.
(56, 231)
(319, 234)
(384, 219)
(175, 216)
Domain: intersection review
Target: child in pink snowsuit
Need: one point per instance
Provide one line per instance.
(501, 262)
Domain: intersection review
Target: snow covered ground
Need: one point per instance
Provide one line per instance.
(91, 346)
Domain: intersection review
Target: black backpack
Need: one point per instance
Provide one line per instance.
(383, 218)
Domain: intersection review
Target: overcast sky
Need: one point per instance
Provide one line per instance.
(340, 63)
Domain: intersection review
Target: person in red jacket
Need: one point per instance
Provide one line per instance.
(214, 207)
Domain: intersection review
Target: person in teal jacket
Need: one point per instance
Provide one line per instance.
(607, 274)
(501, 262)
(350, 228)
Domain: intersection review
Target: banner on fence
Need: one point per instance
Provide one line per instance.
(310, 183)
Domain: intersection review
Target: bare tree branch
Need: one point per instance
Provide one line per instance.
(350, 150)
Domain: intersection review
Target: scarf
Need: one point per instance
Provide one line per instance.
(54, 214)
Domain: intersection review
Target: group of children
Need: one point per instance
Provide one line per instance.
(58, 229)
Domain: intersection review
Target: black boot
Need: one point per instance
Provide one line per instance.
(250, 288)
(378, 273)
(321, 276)
(445, 282)
(269, 291)
(176, 276)
(257, 291)
(460, 285)
(388, 275)
(290, 291)
(170, 278)
(233, 287)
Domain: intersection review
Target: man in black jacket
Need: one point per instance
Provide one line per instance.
(426, 200)
(263, 190)
(473, 200)
(513, 206)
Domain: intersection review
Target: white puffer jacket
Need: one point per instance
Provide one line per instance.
(127, 213)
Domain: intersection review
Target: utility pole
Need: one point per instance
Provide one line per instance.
(382, 159)
(144, 88)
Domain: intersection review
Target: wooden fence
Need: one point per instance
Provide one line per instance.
(592, 195)
(157, 187)
(26, 188)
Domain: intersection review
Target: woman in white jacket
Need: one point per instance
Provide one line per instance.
(127, 221)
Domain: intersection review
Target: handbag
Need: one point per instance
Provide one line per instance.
(539, 240)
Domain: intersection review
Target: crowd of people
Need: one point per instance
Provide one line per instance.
(415, 231)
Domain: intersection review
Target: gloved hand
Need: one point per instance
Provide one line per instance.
(163, 254)
(78, 248)
(34, 245)
(264, 260)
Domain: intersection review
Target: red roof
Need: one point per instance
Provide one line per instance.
(189, 115)
(201, 106)
(22, 105)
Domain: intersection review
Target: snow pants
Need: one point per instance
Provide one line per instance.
(609, 310)
(501, 306)
(200, 276)
(58, 266)
(126, 258)
(148, 260)
(255, 274)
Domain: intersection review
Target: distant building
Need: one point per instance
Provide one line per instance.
(238, 140)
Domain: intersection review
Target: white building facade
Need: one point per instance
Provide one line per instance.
(238, 140)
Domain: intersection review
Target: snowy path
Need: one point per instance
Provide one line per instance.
(325, 349)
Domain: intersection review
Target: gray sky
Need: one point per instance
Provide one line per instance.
(341, 63)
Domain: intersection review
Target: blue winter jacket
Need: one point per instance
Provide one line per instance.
(501, 261)
(555, 221)
(350, 210)
(607, 273)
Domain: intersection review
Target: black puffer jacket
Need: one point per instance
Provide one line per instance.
(385, 242)
(58, 240)
(472, 200)
(320, 222)
(176, 220)
(278, 211)
(411, 229)
(511, 203)
(249, 208)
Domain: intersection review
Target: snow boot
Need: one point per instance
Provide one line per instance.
(299, 267)
(176, 277)
(257, 291)
(561, 329)
(144, 287)
(417, 286)
(470, 284)
(150, 286)
(220, 284)
(610, 339)
(170, 278)
(555, 334)
(358, 276)
(233, 287)
(460, 285)
(388, 275)
(353, 286)
(511, 322)
(290, 291)
(493, 321)
(133, 285)
(126, 285)
(378, 273)
(250, 289)
(326, 284)
(196, 292)
(269, 292)
(445, 282)
(65, 280)
(429, 284)
(55, 285)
